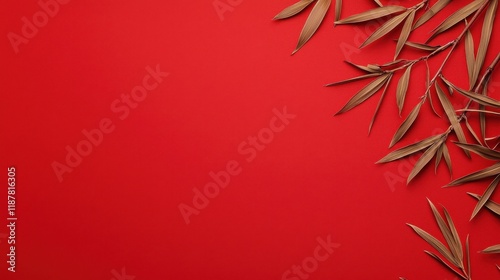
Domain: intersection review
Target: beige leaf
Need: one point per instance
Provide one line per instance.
(452, 117)
(479, 98)
(446, 231)
(360, 67)
(472, 132)
(372, 14)
(405, 33)
(469, 57)
(478, 175)
(458, 245)
(480, 150)
(421, 46)
(424, 160)
(378, 105)
(364, 93)
(493, 206)
(407, 123)
(411, 149)
(385, 28)
(489, 19)
(313, 21)
(495, 249)
(487, 194)
(402, 88)
(436, 244)
(431, 12)
(439, 156)
(447, 159)
(354, 79)
(378, 3)
(467, 249)
(293, 9)
(338, 9)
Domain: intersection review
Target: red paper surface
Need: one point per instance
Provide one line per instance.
(297, 180)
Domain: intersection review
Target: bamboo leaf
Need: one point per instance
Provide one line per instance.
(469, 127)
(467, 249)
(411, 149)
(436, 244)
(493, 206)
(354, 79)
(469, 56)
(378, 3)
(364, 93)
(478, 175)
(489, 19)
(452, 117)
(312, 23)
(405, 33)
(446, 231)
(378, 104)
(439, 156)
(447, 159)
(363, 68)
(372, 14)
(385, 28)
(402, 88)
(480, 150)
(456, 238)
(407, 123)
(293, 9)
(431, 12)
(441, 261)
(424, 160)
(495, 249)
(338, 9)
(479, 98)
(486, 196)
(421, 46)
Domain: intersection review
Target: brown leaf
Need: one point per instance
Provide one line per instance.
(446, 231)
(402, 88)
(411, 149)
(489, 19)
(493, 206)
(480, 150)
(293, 9)
(385, 28)
(354, 79)
(487, 194)
(478, 175)
(436, 244)
(457, 17)
(439, 156)
(313, 21)
(405, 33)
(469, 57)
(423, 160)
(378, 3)
(467, 249)
(372, 14)
(469, 127)
(378, 105)
(452, 117)
(479, 98)
(445, 264)
(456, 238)
(363, 68)
(407, 123)
(447, 159)
(431, 12)
(421, 46)
(338, 9)
(495, 249)
(364, 93)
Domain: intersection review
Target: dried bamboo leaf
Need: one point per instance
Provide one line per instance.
(421, 46)
(441, 261)
(439, 156)
(372, 14)
(436, 244)
(354, 79)
(431, 12)
(293, 9)
(456, 238)
(338, 9)
(486, 196)
(452, 117)
(467, 249)
(480, 150)
(363, 68)
(364, 93)
(479, 111)
(469, 56)
(313, 21)
(405, 33)
(446, 231)
(411, 149)
(478, 175)
(493, 206)
(378, 104)
(447, 159)
(424, 160)
(482, 116)
(489, 19)
(407, 123)
(456, 17)
(469, 127)
(402, 88)
(448, 83)
(378, 3)
(495, 249)
(385, 28)
(479, 98)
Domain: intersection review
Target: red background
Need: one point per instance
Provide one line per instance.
(119, 207)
